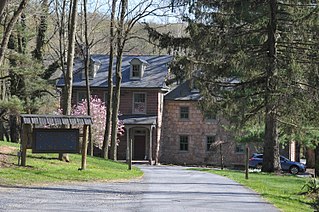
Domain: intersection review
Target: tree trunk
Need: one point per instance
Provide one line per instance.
(9, 28)
(87, 81)
(271, 161)
(21, 35)
(108, 125)
(221, 156)
(297, 153)
(69, 75)
(310, 158)
(70, 59)
(116, 106)
(317, 161)
(1, 130)
(42, 28)
(14, 129)
(3, 4)
(120, 48)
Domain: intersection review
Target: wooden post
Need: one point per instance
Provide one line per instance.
(26, 131)
(127, 144)
(150, 148)
(84, 147)
(130, 155)
(246, 163)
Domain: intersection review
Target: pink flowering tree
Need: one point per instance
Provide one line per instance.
(98, 114)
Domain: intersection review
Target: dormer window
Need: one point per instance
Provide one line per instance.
(137, 68)
(94, 66)
(136, 71)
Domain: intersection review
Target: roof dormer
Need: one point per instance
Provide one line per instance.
(138, 67)
(94, 66)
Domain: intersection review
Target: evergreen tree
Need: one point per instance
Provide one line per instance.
(258, 61)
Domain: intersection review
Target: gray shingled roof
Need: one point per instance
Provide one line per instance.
(138, 119)
(154, 74)
(183, 92)
(55, 119)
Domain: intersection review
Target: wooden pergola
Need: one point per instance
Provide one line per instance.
(28, 130)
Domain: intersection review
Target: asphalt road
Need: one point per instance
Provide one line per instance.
(163, 188)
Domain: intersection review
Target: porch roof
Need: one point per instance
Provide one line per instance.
(138, 119)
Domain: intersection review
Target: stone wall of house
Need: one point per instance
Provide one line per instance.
(197, 128)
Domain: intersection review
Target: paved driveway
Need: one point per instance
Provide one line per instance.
(163, 188)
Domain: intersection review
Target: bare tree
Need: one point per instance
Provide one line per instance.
(107, 140)
(129, 17)
(3, 5)
(9, 28)
(68, 80)
(42, 28)
(120, 48)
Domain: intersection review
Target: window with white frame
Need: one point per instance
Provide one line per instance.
(136, 71)
(183, 142)
(184, 112)
(137, 68)
(139, 103)
(209, 141)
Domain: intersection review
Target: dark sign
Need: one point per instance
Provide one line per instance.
(55, 141)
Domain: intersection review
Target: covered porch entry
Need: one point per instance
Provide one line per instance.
(139, 131)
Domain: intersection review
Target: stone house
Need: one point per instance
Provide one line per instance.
(188, 134)
(164, 124)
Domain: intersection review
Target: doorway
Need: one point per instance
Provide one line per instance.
(139, 147)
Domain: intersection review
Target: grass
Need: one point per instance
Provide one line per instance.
(45, 168)
(283, 191)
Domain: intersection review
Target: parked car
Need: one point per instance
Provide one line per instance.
(256, 162)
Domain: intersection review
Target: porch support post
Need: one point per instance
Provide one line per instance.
(150, 146)
(127, 144)
(130, 155)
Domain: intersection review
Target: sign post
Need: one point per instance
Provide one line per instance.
(247, 163)
(130, 155)
(84, 146)
(53, 140)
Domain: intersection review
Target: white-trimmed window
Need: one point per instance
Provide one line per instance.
(137, 68)
(183, 142)
(184, 113)
(136, 71)
(139, 103)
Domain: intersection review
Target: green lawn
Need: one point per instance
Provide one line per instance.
(283, 191)
(45, 168)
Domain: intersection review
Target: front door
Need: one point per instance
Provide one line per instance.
(139, 147)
